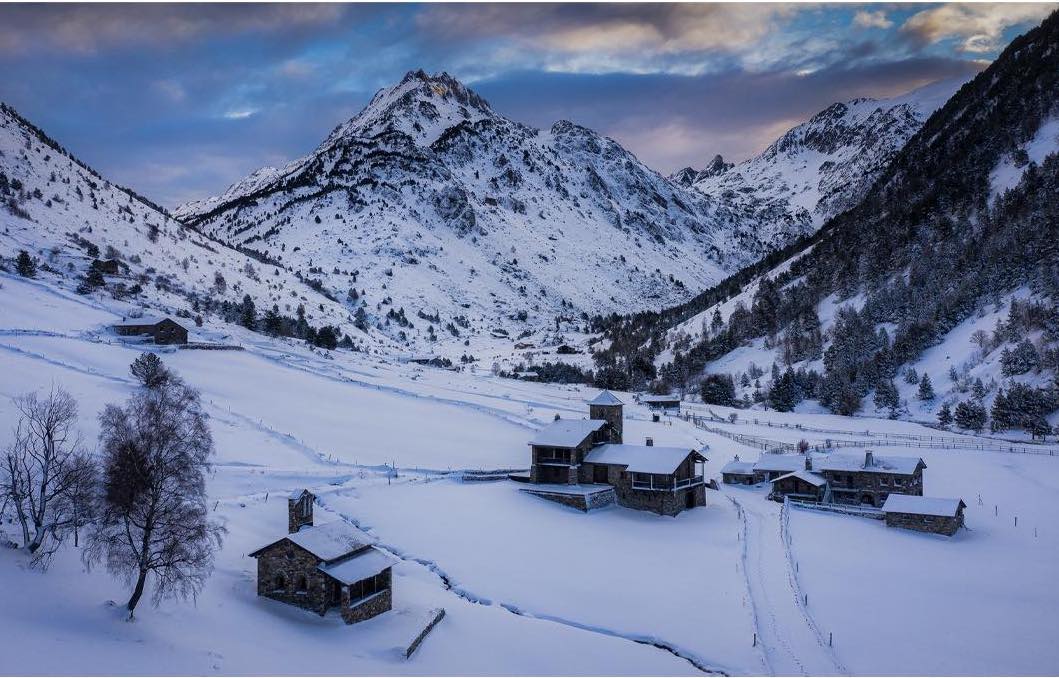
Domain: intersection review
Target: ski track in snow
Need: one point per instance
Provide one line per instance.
(458, 590)
(789, 639)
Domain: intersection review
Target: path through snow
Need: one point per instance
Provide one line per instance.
(786, 636)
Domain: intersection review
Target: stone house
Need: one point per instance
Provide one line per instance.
(925, 514)
(559, 448)
(871, 479)
(804, 485)
(665, 480)
(320, 567)
(772, 466)
(579, 453)
(738, 472)
(162, 330)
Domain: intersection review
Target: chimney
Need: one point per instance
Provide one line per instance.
(808, 462)
(736, 458)
(650, 442)
(299, 510)
(556, 416)
(869, 459)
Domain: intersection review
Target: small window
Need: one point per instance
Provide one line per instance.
(303, 584)
(281, 583)
(306, 506)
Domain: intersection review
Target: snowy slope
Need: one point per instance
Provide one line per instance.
(430, 201)
(821, 167)
(58, 209)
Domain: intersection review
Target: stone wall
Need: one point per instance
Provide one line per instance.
(662, 502)
(873, 485)
(737, 478)
(946, 525)
(293, 562)
(581, 502)
(371, 606)
(612, 414)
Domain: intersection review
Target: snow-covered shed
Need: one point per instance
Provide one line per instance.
(738, 472)
(925, 514)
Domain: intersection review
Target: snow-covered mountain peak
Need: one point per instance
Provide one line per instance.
(822, 166)
(422, 106)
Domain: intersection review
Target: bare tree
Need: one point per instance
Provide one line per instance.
(154, 518)
(150, 370)
(46, 478)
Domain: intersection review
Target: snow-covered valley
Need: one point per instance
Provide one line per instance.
(529, 587)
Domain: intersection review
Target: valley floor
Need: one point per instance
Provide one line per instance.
(737, 587)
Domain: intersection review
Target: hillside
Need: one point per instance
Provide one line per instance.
(963, 221)
(65, 216)
(820, 167)
(431, 203)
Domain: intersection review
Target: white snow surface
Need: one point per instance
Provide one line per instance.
(610, 592)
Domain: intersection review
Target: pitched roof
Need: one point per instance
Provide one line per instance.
(780, 462)
(361, 566)
(297, 494)
(660, 398)
(143, 320)
(605, 398)
(566, 432)
(640, 458)
(922, 506)
(329, 541)
(852, 463)
(814, 479)
(742, 467)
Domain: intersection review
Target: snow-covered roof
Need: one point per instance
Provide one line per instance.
(660, 398)
(566, 432)
(297, 494)
(144, 320)
(640, 458)
(605, 398)
(780, 462)
(328, 541)
(361, 566)
(741, 467)
(845, 462)
(923, 506)
(814, 479)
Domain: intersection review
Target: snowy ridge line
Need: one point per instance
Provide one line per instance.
(799, 593)
(457, 590)
(748, 594)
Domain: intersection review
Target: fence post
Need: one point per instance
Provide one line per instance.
(755, 639)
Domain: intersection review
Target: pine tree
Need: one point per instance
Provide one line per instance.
(945, 416)
(970, 414)
(247, 313)
(887, 397)
(978, 389)
(926, 389)
(26, 265)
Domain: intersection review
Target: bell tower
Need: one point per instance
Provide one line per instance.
(608, 408)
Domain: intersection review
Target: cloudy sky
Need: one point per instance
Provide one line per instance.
(178, 101)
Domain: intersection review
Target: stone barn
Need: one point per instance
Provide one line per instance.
(320, 567)
(925, 514)
(738, 472)
(804, 485)
(162, 330)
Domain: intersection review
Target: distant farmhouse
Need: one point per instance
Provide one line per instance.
(162, 330)
(662, 402)
(846, 479)
(578, 458)
(894, 485)
(325, 566)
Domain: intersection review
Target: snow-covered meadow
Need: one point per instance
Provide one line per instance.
(530, 587)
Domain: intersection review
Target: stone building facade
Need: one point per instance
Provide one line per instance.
(664, 480)
(924, 514)
(163, 331)
(870, 482)
(318, 568)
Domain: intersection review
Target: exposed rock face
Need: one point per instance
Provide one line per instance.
(436, 204)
